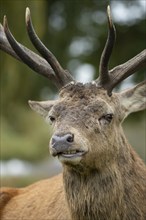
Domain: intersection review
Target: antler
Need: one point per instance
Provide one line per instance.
(104, 60)
(61, 74)
(121, 72)
(56, 73)
(50, 67)
(38, 63)
(108, 79)
(42, 65)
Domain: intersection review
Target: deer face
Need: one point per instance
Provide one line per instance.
(86, 122)
(78, 116)
(83, 122)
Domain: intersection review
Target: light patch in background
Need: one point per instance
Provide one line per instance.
(99, 17)
(81, 46)
(56, 19)
(57, 22)
(85, 73)
(128, 83)
(15, 167)
(127, 14)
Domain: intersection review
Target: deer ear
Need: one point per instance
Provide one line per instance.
(41, 107)
(134, 99)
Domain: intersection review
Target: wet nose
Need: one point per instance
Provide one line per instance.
(61, 143)
(66, 138)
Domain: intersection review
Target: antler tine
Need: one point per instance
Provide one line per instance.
(4, 44)
(109, 79)
(121, 72)
(62, 75)
(104, 78)
(43, 67)
(35, 62)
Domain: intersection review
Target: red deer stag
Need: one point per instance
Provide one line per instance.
(103, 178)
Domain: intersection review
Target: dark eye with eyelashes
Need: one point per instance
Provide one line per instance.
(108, 118)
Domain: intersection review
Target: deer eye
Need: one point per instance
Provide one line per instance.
(106, 118)
(51, 119)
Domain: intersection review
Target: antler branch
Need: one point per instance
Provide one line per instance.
(104, 78)
(39, 63)
(121, 72)
(5, 46)
(48, 67)
(109, 79)
(63, 75)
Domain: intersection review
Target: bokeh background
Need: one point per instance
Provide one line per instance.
(75, 31)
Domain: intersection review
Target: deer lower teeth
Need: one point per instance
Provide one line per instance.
(70, 152)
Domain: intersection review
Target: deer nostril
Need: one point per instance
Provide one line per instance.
(70, 138)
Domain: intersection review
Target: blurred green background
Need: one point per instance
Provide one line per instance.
(75, 31)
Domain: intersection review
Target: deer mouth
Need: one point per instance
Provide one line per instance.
(67, 154)
(71, 156)
(72, 153)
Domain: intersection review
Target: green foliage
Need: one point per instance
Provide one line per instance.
(136, 133)
(26, 136)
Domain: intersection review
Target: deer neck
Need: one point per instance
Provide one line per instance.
(89, 196)
(98, 194)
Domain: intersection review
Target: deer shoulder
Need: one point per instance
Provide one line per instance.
(46, 198)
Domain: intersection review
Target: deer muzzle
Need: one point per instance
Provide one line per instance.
(65, 148)
(61, 143)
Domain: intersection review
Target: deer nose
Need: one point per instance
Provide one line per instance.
(66, 138)
(61, 143)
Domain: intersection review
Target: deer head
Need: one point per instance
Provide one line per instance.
(86, 117)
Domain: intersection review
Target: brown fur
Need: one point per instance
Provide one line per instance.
(109, 183)
(38, 201)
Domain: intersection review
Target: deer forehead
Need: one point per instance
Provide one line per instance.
(85, 96)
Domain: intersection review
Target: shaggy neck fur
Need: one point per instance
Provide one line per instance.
(93, 196)
(108, 194)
